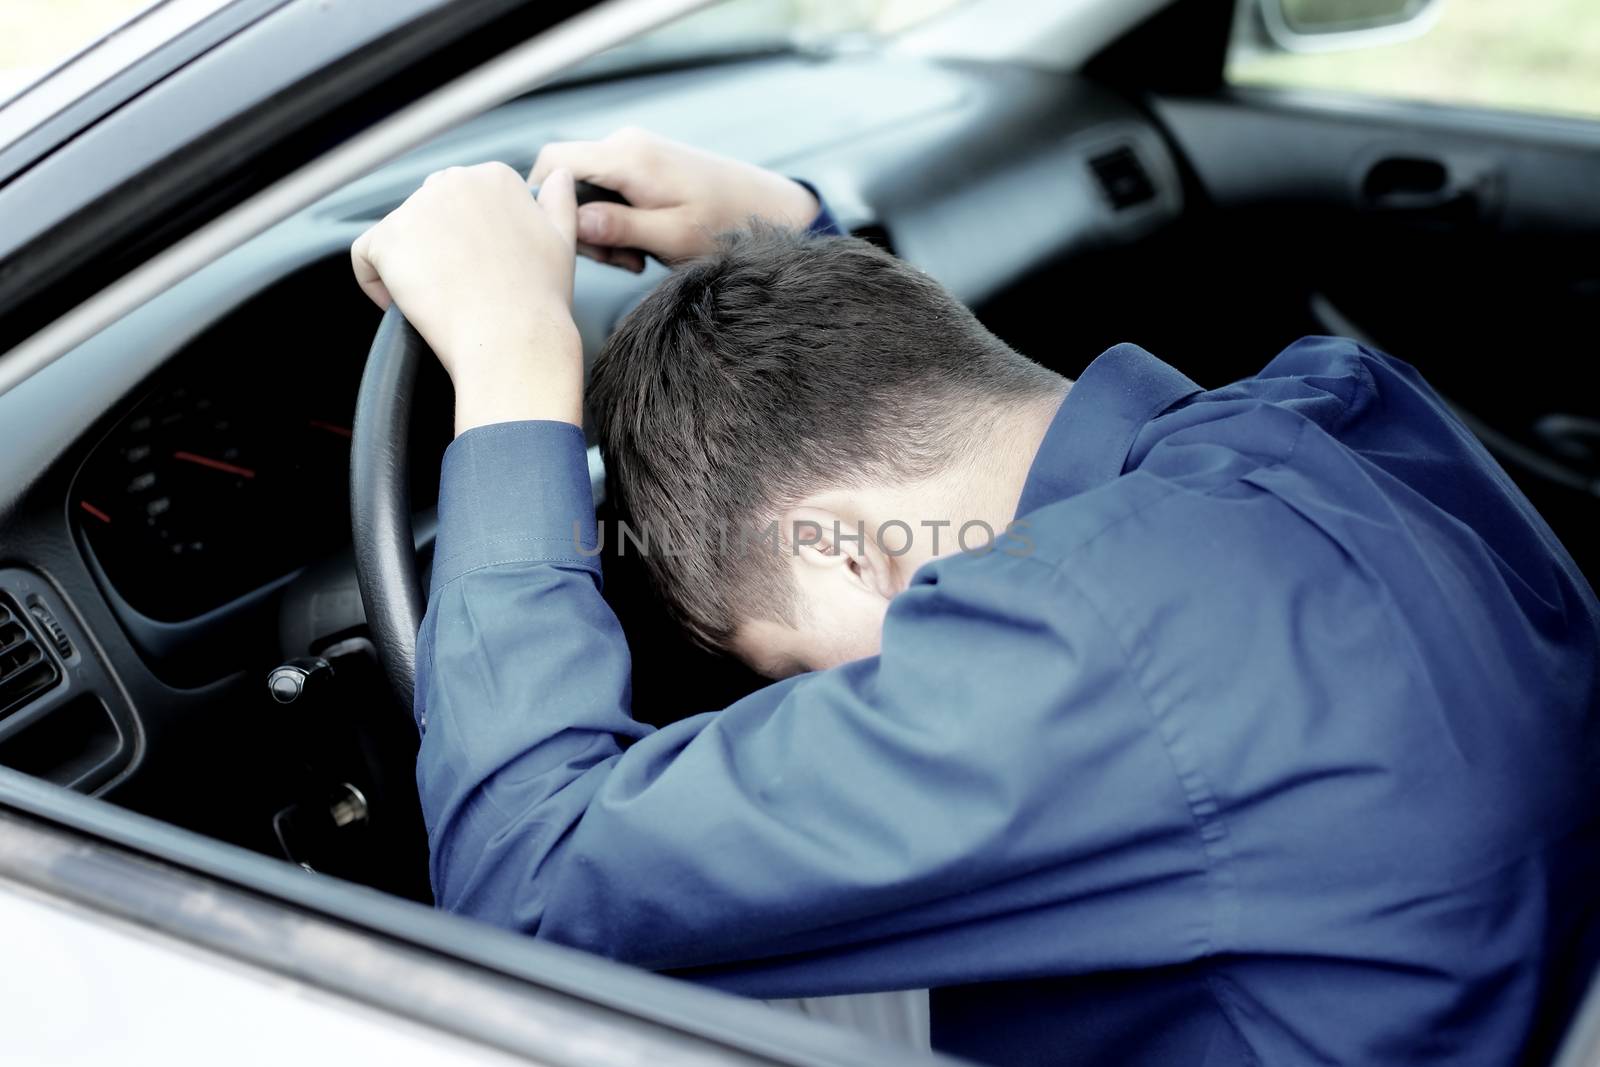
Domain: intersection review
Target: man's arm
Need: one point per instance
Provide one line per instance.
(679, 198)
(916, 819)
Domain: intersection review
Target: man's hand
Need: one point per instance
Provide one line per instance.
(679, 198)
(484, 272)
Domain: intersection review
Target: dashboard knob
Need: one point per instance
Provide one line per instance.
(291, 681)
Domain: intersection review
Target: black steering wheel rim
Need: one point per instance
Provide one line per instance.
(380, 500)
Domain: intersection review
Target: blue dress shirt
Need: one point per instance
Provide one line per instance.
(1268, 738)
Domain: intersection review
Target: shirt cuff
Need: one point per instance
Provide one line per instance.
(824, 225)
(515, 492)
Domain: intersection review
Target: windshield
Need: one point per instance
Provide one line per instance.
(735, 27)
(54, 52)
(39, 36)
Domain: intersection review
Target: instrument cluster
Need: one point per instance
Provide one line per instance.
(233, 470)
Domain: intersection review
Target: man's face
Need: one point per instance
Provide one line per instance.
(843, 585)
(834, 624)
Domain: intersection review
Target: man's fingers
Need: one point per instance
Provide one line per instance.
(366, 272)
(590, 161)
(560, 202)
(656, 231)
(598, 226)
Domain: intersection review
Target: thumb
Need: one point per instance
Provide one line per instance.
(368, 277)
(657, 231)
(560, 203)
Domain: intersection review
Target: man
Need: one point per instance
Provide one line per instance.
(1262, 733)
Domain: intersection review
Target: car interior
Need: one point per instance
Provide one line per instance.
(175, 515)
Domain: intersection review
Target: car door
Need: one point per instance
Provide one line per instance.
(128, 939)
(1433, 188)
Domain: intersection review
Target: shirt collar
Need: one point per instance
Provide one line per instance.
(1088, 441)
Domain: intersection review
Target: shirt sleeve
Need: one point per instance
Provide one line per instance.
(825, 224)
(987, 798)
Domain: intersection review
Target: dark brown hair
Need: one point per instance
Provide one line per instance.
(776, 366)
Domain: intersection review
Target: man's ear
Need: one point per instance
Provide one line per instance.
(823, 539)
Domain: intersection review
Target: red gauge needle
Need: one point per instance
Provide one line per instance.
(331, 427)
(215, 464)
(92, 510)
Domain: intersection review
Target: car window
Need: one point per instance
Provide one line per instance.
(1521, 55)
(740, 26)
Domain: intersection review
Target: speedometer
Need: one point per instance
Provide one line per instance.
(196, 499)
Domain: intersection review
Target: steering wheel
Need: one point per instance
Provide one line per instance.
(380, 500)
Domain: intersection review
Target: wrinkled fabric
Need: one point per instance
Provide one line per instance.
(1268, 736)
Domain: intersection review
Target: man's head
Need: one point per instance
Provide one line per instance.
(771, 401)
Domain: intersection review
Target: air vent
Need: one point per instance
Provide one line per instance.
(25, 667)
(1123, 178)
